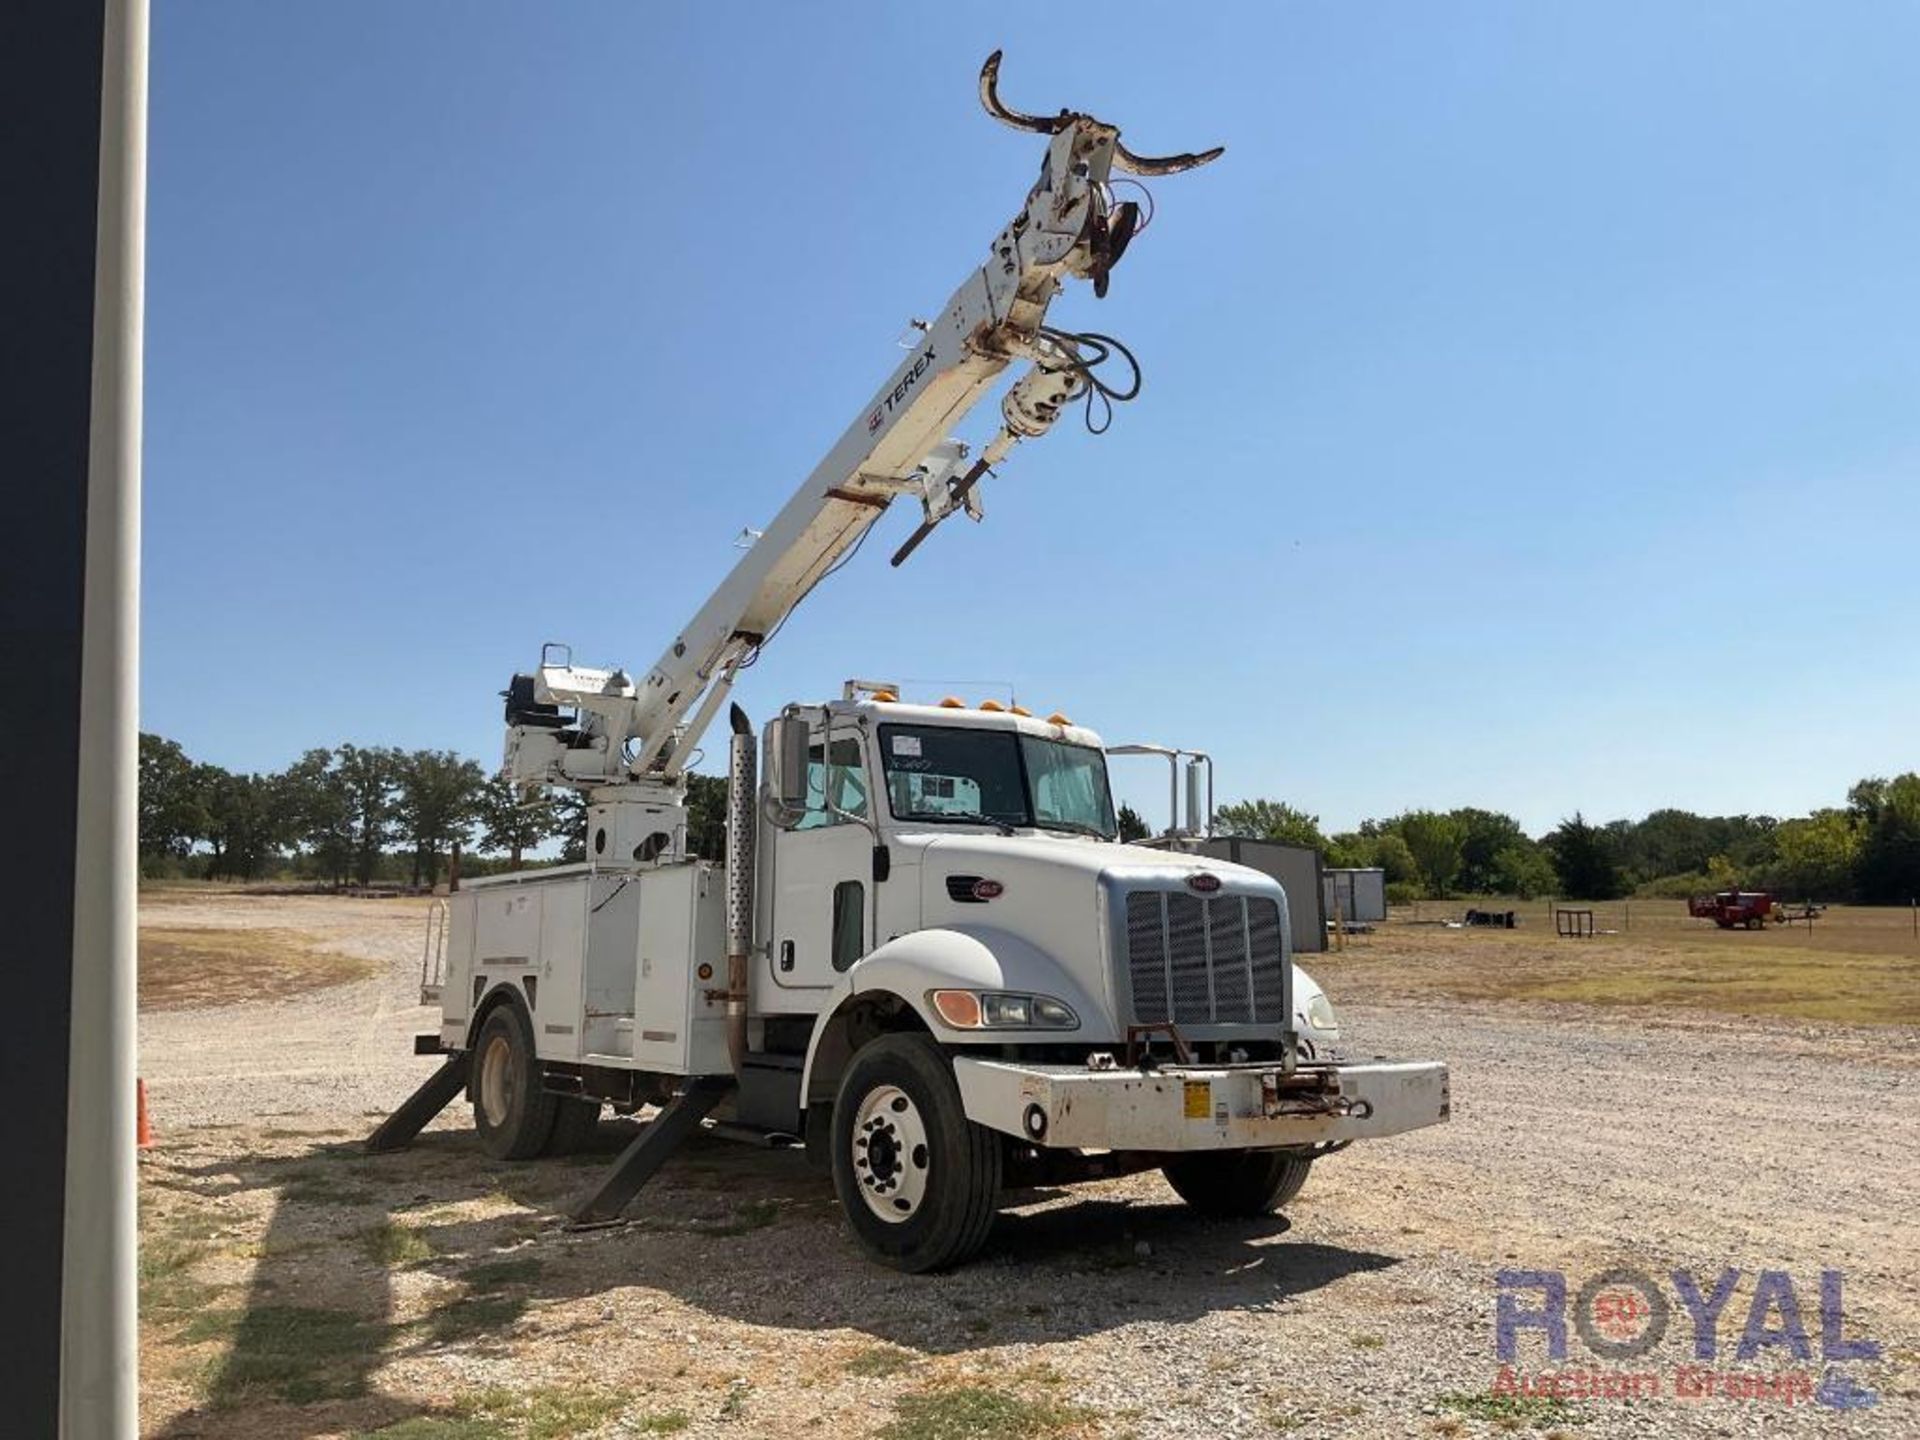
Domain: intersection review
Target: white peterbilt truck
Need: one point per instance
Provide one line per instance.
(926, 956)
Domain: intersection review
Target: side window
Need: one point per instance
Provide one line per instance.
(834, 774)
(849, 923)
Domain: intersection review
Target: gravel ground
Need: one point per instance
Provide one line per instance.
(341, 1051)
(1578, 1142)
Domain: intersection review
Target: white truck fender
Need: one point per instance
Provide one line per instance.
(961, 957)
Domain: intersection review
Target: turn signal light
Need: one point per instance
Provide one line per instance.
(959, 1008)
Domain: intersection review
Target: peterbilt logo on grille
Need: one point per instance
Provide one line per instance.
(1205, 883)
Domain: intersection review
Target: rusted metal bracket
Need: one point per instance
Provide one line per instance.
(1137, 1051)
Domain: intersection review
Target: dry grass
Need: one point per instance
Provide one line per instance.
(1858, 965)
(183, 967)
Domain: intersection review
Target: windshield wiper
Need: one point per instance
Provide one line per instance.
(965, 819)
(1077, 827)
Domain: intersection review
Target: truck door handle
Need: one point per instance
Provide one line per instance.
(786, 955)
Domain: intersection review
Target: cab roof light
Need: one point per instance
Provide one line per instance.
(993, 705)
(885, 697)
(953, 702)
(1019, 710)
(1058, 719)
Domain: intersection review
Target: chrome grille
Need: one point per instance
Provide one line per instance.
(1216, 961)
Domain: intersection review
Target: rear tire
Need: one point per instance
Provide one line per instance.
(512, 1110)
(918, 1181)
(1237, 1183)
(574, 1124)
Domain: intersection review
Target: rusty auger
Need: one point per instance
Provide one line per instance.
(1123, 158)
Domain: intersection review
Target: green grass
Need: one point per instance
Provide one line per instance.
(1510, 1412)
(502, 1414)
(475, 1315)
(322, 1189)
(494, 1274)
(980, 1412)
(879, 1361)
(663, 1422)
(296, 1353)
(395, 1246)
(439, 1427)
(167, 1287)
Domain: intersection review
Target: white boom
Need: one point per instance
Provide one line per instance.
(642, 735)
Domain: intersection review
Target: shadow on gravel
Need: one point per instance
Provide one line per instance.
(741, 1234)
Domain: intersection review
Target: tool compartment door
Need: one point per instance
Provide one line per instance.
(678, 1029)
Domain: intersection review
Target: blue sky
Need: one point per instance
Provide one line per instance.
(1529, 416)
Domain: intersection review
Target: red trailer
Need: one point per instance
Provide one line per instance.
(1730, 909)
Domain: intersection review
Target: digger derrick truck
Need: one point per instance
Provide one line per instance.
(926, 956)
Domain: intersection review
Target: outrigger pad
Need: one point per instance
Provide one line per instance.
(396, 1132)
(657, 1139)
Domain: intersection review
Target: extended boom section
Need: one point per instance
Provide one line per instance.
(1072, 226)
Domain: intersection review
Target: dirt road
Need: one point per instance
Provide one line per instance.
(301, 1289)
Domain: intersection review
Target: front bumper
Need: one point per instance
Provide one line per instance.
(1202, 1107)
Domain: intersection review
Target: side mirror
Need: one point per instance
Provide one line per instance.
(787, 763)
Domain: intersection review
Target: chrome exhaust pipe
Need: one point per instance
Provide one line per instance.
(742, 810)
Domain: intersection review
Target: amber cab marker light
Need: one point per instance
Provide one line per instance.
(953, 702)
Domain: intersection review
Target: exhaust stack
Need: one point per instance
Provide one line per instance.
(742, 807)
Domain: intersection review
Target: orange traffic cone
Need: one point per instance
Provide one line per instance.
(142, 1128)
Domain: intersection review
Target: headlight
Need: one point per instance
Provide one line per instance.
(1320, 1013)
(1001, 1010)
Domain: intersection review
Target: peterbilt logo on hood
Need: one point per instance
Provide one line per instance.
(1205, 882)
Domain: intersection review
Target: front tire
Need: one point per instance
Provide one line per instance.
(918, 1181)
(512, 1110)
(1237, 1184)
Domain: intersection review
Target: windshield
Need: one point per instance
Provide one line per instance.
(995, 777)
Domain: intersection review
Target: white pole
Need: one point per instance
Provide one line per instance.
(98, 1341)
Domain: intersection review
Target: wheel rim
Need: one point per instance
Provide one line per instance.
(496, 1080)
(891, 1157)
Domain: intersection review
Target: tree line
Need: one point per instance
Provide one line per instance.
(1867, 851)
(356, 814)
